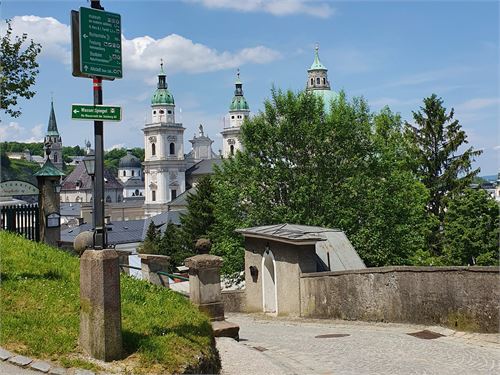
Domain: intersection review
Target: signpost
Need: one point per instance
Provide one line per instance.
(96, 112)
(100, 43)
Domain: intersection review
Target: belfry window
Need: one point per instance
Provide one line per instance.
(153, 195)
(153, 149)
(133, 173)
(169, 112)
(55, 157)
(312, 81)
(124, 173)
(318, 81)
(231, 150)
(173, 194)
(172, 148)
(324, 81)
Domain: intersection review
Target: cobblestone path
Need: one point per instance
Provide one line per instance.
(369, 348)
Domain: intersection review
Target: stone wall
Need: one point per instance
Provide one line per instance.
(465, 298)
(234, 300)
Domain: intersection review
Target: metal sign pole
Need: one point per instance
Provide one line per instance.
(100, 227)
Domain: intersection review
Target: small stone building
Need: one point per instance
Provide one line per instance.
(277, 255)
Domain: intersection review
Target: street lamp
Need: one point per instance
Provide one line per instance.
(57, 187)
(89, 162)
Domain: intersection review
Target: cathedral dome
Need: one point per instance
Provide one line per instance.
(162, 97)
(129, 161)
(239, 103)
(327, 95)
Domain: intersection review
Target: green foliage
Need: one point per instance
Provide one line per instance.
(345, 168)
(112, 157)
(40, 313)
(19, 169)
(18, 70)
(471, 229)
(436, 138)
(151, 242)
(199, 218)
(35, 148)
(170, 244)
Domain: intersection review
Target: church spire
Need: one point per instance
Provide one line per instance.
(239, 102)
(162, 77)
(317, 74)
(317, 65)
(52, 128)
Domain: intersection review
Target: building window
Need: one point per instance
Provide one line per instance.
(318, 80)
(231, 149)
(172, 148)
(153, 195)
(324, 81)
(232, 117)
(173, 194)
(162, 111)
(136, 193)
(108, 199)
(124, 173)
(239, 116)
(119, 198)
(169, 112)
(153, 149)
(133, 173)
(154, 112)
(55, 157)
(312, 81)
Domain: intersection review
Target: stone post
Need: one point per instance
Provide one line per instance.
(151, 264)
(49, 203)
(204, 284)
(100, 305)
(123, 259)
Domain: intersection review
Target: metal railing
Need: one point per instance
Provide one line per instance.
(171, 275)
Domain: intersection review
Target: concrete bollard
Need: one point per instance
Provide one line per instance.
(123, 259)
(204, 284)
(151, 264)
(100, 305)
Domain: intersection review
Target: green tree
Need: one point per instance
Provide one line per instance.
(338, 166)
(151, 241)
(171, 245)
(437, 138)
(198, 220)
(471, 229)
(18, 70)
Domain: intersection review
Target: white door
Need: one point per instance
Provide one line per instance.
(269, 283)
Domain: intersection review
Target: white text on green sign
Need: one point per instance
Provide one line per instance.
(100, 43)
(96, 112)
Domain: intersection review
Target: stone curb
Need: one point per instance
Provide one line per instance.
(37, 365)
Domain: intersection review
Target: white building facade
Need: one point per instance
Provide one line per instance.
(238, 112)
(164, 162)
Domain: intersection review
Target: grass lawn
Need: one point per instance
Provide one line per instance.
(39, 313)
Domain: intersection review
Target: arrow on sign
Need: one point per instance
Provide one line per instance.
(76, 111)
(85, 35)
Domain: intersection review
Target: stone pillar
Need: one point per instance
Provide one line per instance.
(151, 264)
(100, 305)
(204, 284)
(123, 259)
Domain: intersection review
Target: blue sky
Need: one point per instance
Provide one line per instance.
(393, 53)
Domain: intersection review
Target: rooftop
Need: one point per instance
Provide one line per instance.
(290, 233)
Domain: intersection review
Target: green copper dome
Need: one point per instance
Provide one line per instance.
(162, 96)
(327, 95)
(317, 65)
(239, 102)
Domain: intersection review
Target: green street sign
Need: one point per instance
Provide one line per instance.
(100, 43)
(96, 112)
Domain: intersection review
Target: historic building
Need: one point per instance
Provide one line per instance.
(317, 80)
(131, 176)
(238, 112)
(53, 140)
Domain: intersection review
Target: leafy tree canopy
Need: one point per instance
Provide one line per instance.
(443, 166)
(18, 70)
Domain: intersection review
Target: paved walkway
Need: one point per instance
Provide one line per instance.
(290, 346)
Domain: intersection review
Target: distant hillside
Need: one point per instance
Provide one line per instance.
(492, 177)
(17, 169)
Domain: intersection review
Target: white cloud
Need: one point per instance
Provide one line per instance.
(496, 147)
(187, 56)
(478, 103)
(53, 35)
(275, 7)
(144, 53)
(118, 145)
(13, 131)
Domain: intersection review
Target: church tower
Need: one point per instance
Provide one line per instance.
(53, 140)
(164, 164)
(238, 111)
(317, 81)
